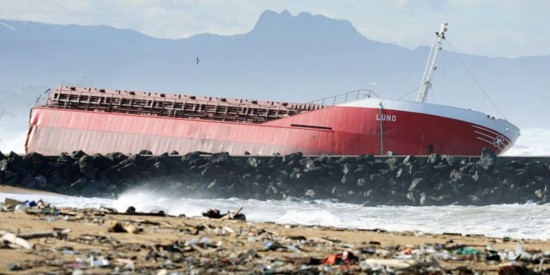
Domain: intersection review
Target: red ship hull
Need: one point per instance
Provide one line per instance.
(406, 128)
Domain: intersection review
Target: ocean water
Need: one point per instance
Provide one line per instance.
(527, 220)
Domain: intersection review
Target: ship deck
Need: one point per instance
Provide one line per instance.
(174, 105)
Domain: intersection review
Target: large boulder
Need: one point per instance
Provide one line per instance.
(488, 159)
(87, 167)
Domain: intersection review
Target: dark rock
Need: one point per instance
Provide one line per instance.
(116, 157)
(219, 158)
(101, 162)
(536, 168)
(457, 176)
(433, 159)
(16, 163)
(174, 153)
(418, 184)
(93, 188)
(339, 192)
(364, 159)
(364, 179)
(27, 181)
(41, 181)
(280, 175)
(361, 182)
(58, 181)
(349, 179)
(210, 171)
(275, 161)
(3, 164)
(410, 159)
(347, 167)
(272, 192)
(159, 168)
(65, 159)
(378, 180)
(253, 162)
(521, 175)
(127, 170)
(379, 165)
(79, 184)
(514, 164)
(34, 161)
(426, 200)
(293, 157)
(77, 154)
(450, 161)
(191, 156)
(10, 178)
(488, 159)
(310, 194)
(87, 167)
(393, 164)
(145, 152)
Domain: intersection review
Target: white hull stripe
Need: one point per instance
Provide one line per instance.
(493, 138)
(491, 143)
(488, 130)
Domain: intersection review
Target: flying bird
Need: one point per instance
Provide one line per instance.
(198, 60)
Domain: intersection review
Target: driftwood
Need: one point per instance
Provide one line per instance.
(55, 233)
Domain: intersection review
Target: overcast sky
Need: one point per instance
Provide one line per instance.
(508, 28)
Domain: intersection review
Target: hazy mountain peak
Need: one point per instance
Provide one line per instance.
(303, 25)
(270, 19)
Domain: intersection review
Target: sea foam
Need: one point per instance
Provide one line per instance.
(514, 220)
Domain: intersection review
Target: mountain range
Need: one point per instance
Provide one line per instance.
(284, 57)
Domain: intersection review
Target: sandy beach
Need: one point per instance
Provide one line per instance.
(65, 240)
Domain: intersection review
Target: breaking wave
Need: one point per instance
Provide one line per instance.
(512, 220)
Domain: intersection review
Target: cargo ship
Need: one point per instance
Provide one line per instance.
(108, 120)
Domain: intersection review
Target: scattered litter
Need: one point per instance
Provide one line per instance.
(202, 246)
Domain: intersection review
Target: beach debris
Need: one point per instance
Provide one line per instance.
(343, 258)
(12, 203)
(514, 269)
(57, 233)
(16, 241)
(14, 267)
(231, 215)
(213, 214)
(392, 263)
(119, 227)
(203, 246)
(132, 211)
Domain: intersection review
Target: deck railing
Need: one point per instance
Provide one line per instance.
(343, 98)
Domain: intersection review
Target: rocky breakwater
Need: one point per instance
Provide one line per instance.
(366, 179)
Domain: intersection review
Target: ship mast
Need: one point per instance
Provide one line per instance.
(432, 58)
